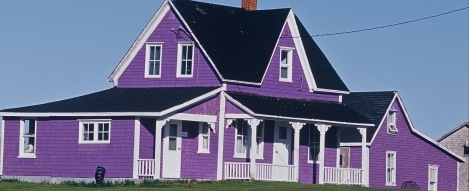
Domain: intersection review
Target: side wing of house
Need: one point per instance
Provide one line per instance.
(164, 55)
(400, 153)
(457, 141)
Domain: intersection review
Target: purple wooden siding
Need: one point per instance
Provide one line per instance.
(209, 107)
(413, 157)
(197, 165)
(268, 142)
(58, 153)
(271, 86)
(147, 138)
(356, 157)
(232, 109)
(133, 76)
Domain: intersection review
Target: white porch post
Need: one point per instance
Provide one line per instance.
(364, 157)
(297, 127)
(221, 135)
(159, 125)
(339, 131)
(253, 123)
(322, 131)
(136, 146)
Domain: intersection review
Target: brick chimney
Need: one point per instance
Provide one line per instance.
(249, 5)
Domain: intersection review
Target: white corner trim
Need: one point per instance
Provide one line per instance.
(221, 134)
(423, 135)
(139, 42)
(195, 38)
(301, 51)
(384, 117)
(2, 147)
(457, 178)
(193, 101)
(136, 147)
(238, 116)
(193, 117)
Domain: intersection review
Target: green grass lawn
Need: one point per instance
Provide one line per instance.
(181, 185)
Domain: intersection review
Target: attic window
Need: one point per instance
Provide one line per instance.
(153, 60)
(185, 61)
(392, 129)
(285, 64)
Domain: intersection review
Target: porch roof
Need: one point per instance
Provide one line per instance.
(298, 109)
(117, 101)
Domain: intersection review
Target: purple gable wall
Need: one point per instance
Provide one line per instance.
(133, 76)
(57, 147)
(271, 86)
(232, 109)
(413, 157)
(209, 107)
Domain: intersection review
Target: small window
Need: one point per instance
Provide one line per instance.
(313, 143)
(344, 161)
(260, 140)
(173, 135)
(185, 60)
(282, 132)
(390, 168)
(204, 138)
(466, 148)
(153, 60)
(392, 129)
(432, 177)
(95, 132)
(28, 138)
(242, 136)
(286, 64)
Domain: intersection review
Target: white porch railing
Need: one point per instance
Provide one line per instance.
(350, 176)
(274, 172)
(269, 172)
(146, 168)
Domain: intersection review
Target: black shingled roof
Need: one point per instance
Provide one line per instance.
(372, 105)
(241, 43)
(298, 108)
(120, 100)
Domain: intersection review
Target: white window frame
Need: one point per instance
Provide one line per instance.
(179, 60)
(392, 125)
(434, 179)
(260, 141)
(22, 153)
(246, 137)
(147, 59)
(392, 168)
(288, 65)
(316, 144)
(95, 131)
(201, 148)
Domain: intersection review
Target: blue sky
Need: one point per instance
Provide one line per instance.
(53, 50)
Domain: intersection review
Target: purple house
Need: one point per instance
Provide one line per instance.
(214, 92)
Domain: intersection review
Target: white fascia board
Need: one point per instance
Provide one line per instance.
(79, 114)
(147, 31)
(193, 117)
(195, 38)
(301, 51)
(423, 135)
(273, 117)
(241, 82)
(193, 101)
(353, 144)
(237, 116)
(331, 91)
(384, 117)
(273, 51)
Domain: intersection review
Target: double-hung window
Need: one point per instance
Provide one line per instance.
(390, 168)
(260, 141)
(242, 138)
(392, 129)
(313, 143)
(27, 138)
(286, 64)
(185, 61)
(153, 60)
(432, 177)
(94, 131)
(204, 138)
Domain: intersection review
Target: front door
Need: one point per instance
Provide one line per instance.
(282, 144)
(172, 150)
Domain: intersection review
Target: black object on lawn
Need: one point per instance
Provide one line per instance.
(99, 175)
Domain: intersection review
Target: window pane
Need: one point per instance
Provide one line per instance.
(91, 136)
(106, 127)
(85, 127)
(284, 72)
(205, 129)
(157, 68)
(189, 67)
(173, 128)
(157, 52)
(100, 127)
(106, 136)
(284, 57)
(205, 142)
(184, 52)
(29, 145)
(183, 67)
(152, 52)
(239, 144)
(100, 136)
(258, 145)
(152, 68)
(189, 52)
(172, 144)
(282, 132)
(91, 127)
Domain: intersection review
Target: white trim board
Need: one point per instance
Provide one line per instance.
(2, 147)
(283, 118)
(193, 117)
